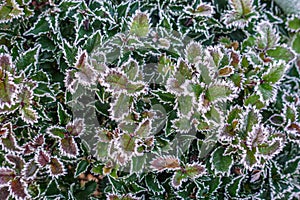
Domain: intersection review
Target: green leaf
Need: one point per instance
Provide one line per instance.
(182, 124)
(137, 163)
(53, 189)
(82, 167)
(185, 104)
(41, 26)
(281, 53)
(296, 43)
(219, 92)
(270, 149)
(128, 142)
(88, 190)
(293, 24)
(57, 132)
(250, 159)
(9, 10)
(120, 107)
(252, 117)
(221, 163)
(268, 37)
(140, 25)
(63, 116)
(28, 58)
(275, 73)
(153, 184)
(234, 186)
(266, 91)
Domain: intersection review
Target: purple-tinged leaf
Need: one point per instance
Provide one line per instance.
(8, 90)
(140, 24)
(165, 163)
(255, 175)
(9, 143)
(39, 140)
(69, 147)
(42, 158)
(16, 161)
(76, 128)
(56, 167)
(6, 175)
(120, 197)
(4, 193)
(18, 189)
(30, 170)
(257, 136)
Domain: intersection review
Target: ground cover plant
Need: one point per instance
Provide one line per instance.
(150, 99)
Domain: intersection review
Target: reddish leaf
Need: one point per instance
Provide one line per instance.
(39, 140)
(163, 163)
(69, 147)
(30, 170)
(56, 167)
(17, 189)
(16, 161)
(4, 193)
(42, 158)
(6, 175)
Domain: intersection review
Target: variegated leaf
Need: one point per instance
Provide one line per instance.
(165, 163)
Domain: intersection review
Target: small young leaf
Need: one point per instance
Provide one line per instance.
(293, 24)
(63, 115)
(16, 161)
(275, 73)
(57, 132)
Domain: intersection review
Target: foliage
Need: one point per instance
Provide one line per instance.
(149, 100)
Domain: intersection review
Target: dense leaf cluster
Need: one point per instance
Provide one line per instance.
(150, 99)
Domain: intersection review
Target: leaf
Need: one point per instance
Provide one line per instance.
(165, 163)
(140, 25)
(30, 170)
(178, 178)
(281, 53)
(6, 175)
(16, 161)
(18, 189)
(76, 128)
(8, 90)
(257, 136)
(194, 52)
(270, 149)
(120, 107)
(153, 184)
(204, 9)
(182, 124)
(268, 38)
(220, 163)
(275, 73)
(53, 188)
(9, 143)
(28, 58)
(234, 186)
(56, 131)
(88, 190)
(220, 92)
(9, 10)
(184, 69)
(29, 115)
(68, 147)
(226, 71)
(266, 91)
(42, 158)
(4, 193)
(249, 159)
(296, 43)
(63, 116)
(138, 164)
(131, 69)
(41, 26)
(144, 128)
(185, 105)
(82, 167)
(56, 167)
(293, 24)
(69, 52)
(127, 142)
(252, 117)
(194, 170)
